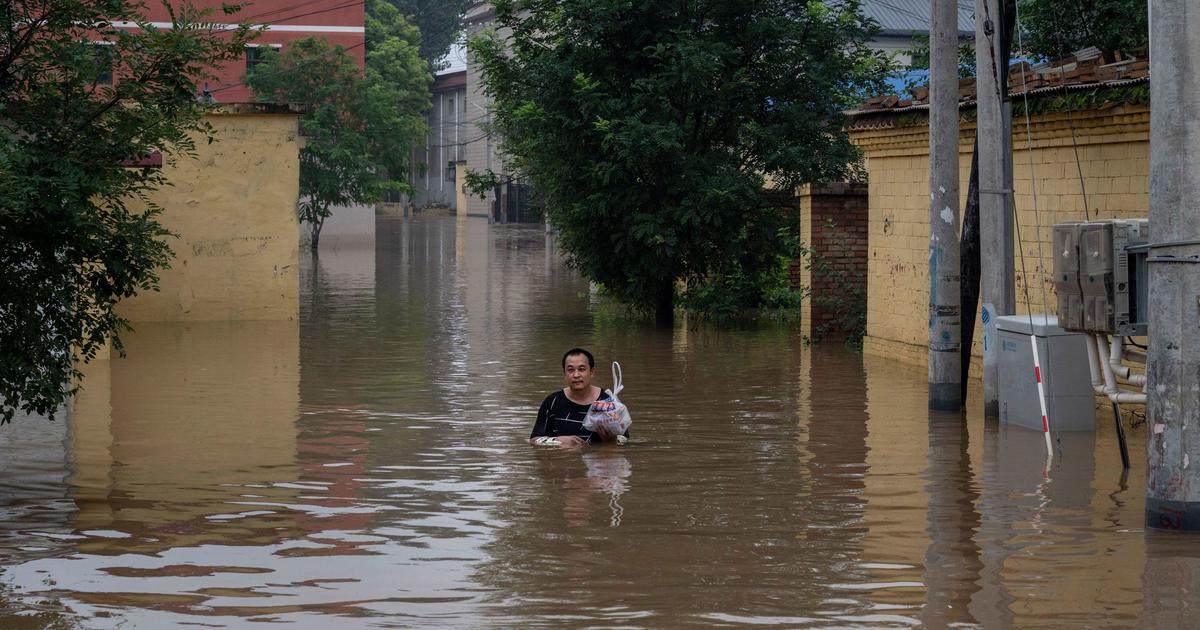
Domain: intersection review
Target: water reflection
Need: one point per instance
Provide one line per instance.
(366, 466)
(1170, 581)
(191, 405)
(952, 563)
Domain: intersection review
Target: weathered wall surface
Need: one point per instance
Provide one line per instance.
(234, 211)
(1114, 151)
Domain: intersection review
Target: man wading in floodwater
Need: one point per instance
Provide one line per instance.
(560, 419)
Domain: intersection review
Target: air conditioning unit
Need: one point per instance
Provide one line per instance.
(1100, 276)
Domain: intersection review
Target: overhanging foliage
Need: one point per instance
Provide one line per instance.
(78, 232)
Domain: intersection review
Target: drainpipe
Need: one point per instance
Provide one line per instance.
(1113, 392)
(1122, 371)
(1094, 366)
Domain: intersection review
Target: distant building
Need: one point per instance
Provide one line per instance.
(481, 155)
(437, 171)
(901, 22)
(281, 22)
(457, 140)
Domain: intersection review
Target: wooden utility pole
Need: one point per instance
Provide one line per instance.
(995, 190)
(944, 309)
(1173, 261)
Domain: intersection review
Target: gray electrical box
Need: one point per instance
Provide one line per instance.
(1130, 295)
(1066, 377)
(1100, 275)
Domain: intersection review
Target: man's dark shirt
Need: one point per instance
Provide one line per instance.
(559, 416)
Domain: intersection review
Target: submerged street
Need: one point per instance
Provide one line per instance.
(368, 463)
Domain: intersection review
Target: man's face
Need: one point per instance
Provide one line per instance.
(578, 373)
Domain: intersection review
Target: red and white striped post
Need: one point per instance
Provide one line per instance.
(1037, 374)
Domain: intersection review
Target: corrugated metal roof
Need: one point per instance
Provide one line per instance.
(908, 16)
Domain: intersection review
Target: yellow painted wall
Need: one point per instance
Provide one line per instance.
(460, 190)
(1114, 156)
(234, 210)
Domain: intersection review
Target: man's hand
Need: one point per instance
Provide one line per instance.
(570, 441)
(606, 435)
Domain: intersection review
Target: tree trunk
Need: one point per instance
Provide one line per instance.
(315, 233)
(664, 305)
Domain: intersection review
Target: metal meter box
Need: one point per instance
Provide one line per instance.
(1131, 306)
(1100, 275)
(1066, 378)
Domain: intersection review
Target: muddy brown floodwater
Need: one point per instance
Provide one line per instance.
(367, 467)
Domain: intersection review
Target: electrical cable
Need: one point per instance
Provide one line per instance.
(1036, 214)
(280, 10)
(318, 12)
(1087, 214)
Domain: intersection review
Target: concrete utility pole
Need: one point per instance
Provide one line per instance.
(1173, 362)
(995, 190)
(944, 309)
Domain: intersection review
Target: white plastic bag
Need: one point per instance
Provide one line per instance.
(611, 415)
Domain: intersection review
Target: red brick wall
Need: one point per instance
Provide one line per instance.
(833, 220)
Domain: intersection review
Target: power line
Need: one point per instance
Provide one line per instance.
(275, 11)
(318, 12)
(230, 86)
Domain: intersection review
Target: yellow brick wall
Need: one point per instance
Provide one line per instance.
(1113, 146)
(234, 210)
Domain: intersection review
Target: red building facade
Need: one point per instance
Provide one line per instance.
(338, 21)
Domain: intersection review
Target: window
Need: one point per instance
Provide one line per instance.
(451, 167)
(100, 62)
(255, 54)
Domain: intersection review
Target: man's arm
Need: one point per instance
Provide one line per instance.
(541, 429)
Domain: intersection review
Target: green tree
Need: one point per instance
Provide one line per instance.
(440, 23)
(1055, 28)
(647, 128)
(78, 232)
(359, 125)
(398, 80)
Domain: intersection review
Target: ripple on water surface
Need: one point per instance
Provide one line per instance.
(368, 463)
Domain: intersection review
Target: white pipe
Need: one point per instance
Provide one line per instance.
(1122, 371)
(1135, 398)
(1110, 380)
(1094, 366)
(1113, 392)
(1117, 351)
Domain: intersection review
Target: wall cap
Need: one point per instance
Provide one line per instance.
(256, 109)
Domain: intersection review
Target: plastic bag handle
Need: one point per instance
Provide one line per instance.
(616, 373)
